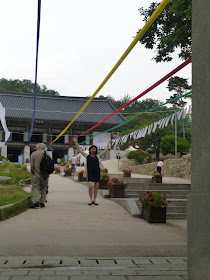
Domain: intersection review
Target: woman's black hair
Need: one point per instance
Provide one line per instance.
(93, 146)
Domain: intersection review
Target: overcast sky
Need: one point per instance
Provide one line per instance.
(80, 41)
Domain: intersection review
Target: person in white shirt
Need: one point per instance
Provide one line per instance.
(159, 166)
(73, 163)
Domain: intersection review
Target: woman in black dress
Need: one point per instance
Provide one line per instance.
(92, 169)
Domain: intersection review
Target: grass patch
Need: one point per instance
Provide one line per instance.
(10, 194)
(15, 173)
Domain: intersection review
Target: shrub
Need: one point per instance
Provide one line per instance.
(104, 177)
(153, 200)
(117, 183)
(168, 145)
(137, 156)
(2, 157)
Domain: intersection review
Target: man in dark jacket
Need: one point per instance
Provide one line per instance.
(40, 183)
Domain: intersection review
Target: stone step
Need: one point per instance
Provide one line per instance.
(168, 193)
(133, 180)
(176, 216)
(173, 202)
(153, 186)
(172, 209)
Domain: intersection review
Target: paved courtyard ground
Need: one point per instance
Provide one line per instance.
(69, 227)
(64, 268)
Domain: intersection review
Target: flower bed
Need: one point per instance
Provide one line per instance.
(104, 178)
(127, 172)
(157, 177)
(154, 207)
(117, 188)
(67, 171)
(57, 169)
(80, 176)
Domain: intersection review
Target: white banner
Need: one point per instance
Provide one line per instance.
(4, 125)
(101, 140)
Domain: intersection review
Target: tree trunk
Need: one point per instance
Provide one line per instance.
(157, 155)
(183, 128)
(143, 152)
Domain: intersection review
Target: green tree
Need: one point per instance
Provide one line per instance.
(170, 31)
(168, 145)
(25, 86)
(138, 156)
(135, 107)
(179, 85)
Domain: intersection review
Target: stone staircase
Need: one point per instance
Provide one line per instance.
(175, 193)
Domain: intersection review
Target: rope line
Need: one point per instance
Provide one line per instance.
(140, 34)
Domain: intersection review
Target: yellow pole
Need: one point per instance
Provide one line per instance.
(140, 34)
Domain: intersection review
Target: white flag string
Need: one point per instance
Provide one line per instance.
(152, 127)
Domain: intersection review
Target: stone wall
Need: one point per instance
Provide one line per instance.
(168, 170)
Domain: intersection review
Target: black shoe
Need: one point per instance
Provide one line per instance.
(34, 205)
(95, 203)
(42, 205)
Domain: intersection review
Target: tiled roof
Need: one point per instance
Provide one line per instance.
(58, 108)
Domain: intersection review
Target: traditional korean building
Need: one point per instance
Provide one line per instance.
(53, 113)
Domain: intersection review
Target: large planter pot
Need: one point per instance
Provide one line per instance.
(67, 174)
(157, 179)
(103, 185)
(117, 192)
(127, 174)
(81, 178)
(154, 215)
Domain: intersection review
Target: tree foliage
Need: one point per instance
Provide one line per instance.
(136, 107)
(168, 145)
(25, 86)
(138, 156)
(179, 85)
(170, 31)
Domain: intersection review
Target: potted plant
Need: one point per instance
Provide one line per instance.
(117, 188)
(67, 171)
(104, 178)
(80, 176)
(154, 207)
(156, 177)
(57, 169)
(127, 172)
(105, 170)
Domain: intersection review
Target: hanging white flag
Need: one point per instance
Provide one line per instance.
(131, 135)
(189, 110)
(135, 134)
(144, 131)
(4, 125)
(172, 119)
(124, 138)
(139, 135)
(179, 114)
(155, 126)
(167, 121)
(184, 113)
(149, 130)
(160, 122)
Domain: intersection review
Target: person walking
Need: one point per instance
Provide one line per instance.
(92, 169)
(39, 180)
(73, 163)
(58, 161)
(159, 166)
